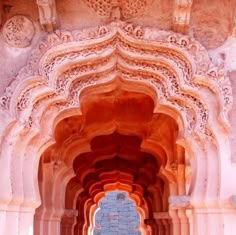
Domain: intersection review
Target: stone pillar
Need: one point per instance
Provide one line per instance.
(162, 221)
(178, 204)
(152, 224)
(166, 223)
(189, 214)
(229, 221)
(17, 222)
(160, 227)
(202, 218)
(229, 215)
(68, 222)
(208, 221)
(47, 225)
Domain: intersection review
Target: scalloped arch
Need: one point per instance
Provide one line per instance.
(176, 66)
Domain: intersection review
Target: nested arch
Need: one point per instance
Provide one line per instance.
(174, 68)
(92, 167)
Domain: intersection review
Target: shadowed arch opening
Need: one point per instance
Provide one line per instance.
(117, 142)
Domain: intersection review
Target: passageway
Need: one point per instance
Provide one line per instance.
(117, 107)
(117, 142)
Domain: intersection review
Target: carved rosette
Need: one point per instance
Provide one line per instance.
(176, 66)
(18, 31)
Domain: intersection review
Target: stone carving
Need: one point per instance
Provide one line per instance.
(47, 14)
(18, 31)
(124, 49)
(181, 15)
(24, 99)
(118, 9)
(179, 201)
(5, 99)
(116, 13)
(23, 103)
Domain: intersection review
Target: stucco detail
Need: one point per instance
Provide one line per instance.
(176, 66)
(125, 9)
(18, 31)
(47, 14)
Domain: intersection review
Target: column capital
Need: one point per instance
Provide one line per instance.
(70, 213)
(179, 202)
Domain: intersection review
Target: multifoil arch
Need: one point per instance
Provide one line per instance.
(176, 67)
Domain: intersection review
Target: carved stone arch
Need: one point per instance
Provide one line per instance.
(176, 67)
(177, 78)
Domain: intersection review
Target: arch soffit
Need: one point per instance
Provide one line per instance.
(177, 67)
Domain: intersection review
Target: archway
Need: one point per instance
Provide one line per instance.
(172, 69)
(114, 144)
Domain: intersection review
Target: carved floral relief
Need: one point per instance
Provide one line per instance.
(18, 31)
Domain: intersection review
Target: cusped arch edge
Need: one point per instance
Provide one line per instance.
(176, 65)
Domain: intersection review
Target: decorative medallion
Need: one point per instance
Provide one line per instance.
(18, 31)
